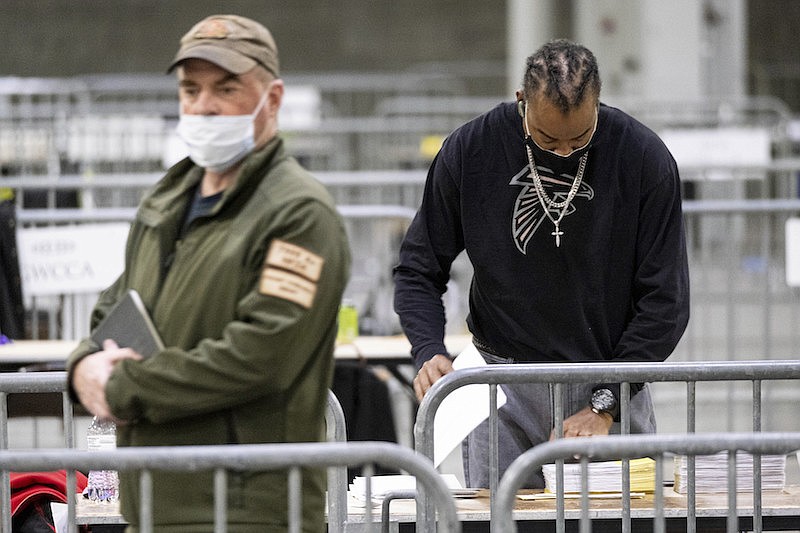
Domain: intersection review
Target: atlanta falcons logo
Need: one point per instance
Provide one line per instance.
(528, 212)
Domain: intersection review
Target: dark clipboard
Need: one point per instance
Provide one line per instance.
(130, 326)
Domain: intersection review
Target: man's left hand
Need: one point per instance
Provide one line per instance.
(586, 423)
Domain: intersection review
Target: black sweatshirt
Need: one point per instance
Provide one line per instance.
(617, 288)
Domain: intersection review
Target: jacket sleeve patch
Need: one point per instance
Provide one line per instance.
(287, 286)
(295, 259)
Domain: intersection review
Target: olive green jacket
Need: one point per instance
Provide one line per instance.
(250, 341)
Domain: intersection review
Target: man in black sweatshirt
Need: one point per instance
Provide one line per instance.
(570, 213)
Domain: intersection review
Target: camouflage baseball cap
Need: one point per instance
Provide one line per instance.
(234, 43)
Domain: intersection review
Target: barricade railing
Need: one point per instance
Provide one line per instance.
(80, 216)
(633, 446)
(56, 382)
(336, 431)
(376, 186)
(253, 458)
(560, 374)
(399, 187)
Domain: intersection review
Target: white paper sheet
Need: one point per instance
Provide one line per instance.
(463, 409)
(60, 515)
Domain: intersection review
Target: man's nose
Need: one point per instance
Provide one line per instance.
(563, 149)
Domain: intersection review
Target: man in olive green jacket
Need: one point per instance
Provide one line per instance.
(241, 259)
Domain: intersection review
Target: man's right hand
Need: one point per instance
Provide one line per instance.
(432, 370)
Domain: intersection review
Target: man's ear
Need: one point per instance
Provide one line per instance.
(275, 95)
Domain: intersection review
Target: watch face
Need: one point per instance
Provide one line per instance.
(603, 400)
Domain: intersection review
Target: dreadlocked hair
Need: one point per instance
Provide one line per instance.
(565, 72)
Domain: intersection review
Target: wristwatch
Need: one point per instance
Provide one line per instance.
(603, 401)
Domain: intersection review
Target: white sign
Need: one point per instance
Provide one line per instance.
(71, 259)
(726, 147)
(793, 252)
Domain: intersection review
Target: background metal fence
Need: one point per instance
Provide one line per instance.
(91, 145)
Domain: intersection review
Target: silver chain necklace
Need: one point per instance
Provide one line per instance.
(547, 202)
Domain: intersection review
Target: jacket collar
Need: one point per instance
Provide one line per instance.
(171, 194)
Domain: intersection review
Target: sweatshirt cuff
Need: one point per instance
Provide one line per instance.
(426, 352)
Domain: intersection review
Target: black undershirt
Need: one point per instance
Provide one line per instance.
(200, 207)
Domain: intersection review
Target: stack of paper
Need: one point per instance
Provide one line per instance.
(604, 476)
(382, 485)
(711, 472)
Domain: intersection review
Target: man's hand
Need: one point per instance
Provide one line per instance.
(91, 374)
(586, 423)
(432, 370)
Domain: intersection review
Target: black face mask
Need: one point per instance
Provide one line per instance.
(555, 163)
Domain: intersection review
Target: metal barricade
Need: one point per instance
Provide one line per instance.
(560, 374)
(56, 382)
(633, 446)
(256, 457)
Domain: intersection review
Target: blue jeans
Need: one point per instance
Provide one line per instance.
(527, 420)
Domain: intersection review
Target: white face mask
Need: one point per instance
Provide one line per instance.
(217, 142)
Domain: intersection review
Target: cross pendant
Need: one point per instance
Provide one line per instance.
(557, 233)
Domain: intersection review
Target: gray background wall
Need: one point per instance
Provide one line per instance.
(68, 37)
(76, 37)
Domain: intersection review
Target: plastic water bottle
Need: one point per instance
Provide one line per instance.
(348, 323)
(102, 485)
